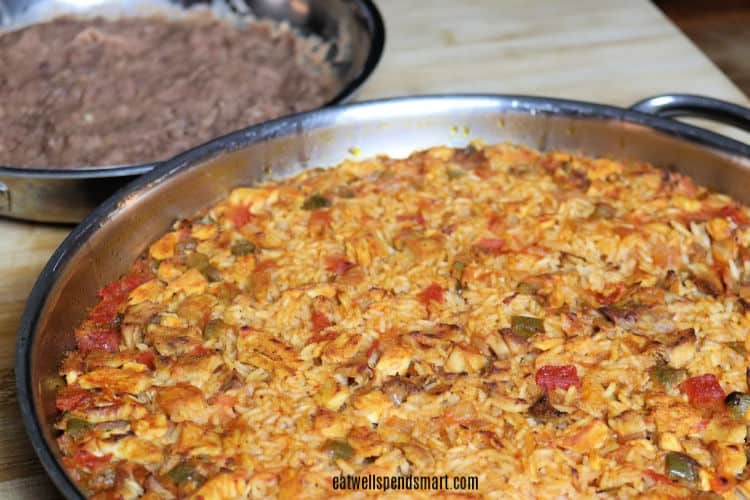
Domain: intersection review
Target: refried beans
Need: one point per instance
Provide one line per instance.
(91, 92)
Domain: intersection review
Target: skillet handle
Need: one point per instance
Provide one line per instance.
(696, 106)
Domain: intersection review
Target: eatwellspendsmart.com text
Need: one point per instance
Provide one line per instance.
(406, 483)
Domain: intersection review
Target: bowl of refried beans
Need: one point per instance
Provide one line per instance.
(93, 93)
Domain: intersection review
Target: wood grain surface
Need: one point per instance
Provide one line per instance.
(613, 51)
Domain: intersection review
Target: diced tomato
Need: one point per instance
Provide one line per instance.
(265, 265)
(89, 461)
(491, 245)
(199, 350)
(115, 293)
(97, 339)
(239, 215)
(105, 312)
(146, 358)
(722, 484)
(433, 293)
(496, 224)
(418, 218)
(70, 398)
(319, 321)
(319, 219)
(700, 426)
(322, 337)
(337, 264)
(553, 377)
(658, 478)
(484, 172)
(703, 390)
(225, 400)
(734, 212)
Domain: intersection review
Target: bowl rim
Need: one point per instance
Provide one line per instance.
(80, 235)
(375, 24)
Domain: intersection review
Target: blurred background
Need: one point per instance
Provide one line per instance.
(721, 29)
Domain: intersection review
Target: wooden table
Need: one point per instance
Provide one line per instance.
(614, 51)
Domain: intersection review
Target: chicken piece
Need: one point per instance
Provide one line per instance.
(372, 405)
(224, 486)
(147, 292)
(171, 341)
(730, 459)
(465, 359)
(395, 360)
(196, 309)
(680, 350)
(116, 380)
(586, 438)
(192, 282)
(366, 442)
(198, 441)
(676, 417)
(123, 410)
(134, 449)
(164, 248)
(725, 429)
(151, 426)
(265, 351)
(343, 348)
(195, 370)
(421, 248)
(182, 402)
(141, 313)
(332, 424)
(418, 456)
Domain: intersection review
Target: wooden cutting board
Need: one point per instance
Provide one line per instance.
(615, 51)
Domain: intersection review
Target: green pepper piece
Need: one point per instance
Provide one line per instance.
(737, 404)
(344, 192)
(338, 448)
(315, 202)
(197, 260)
(77, 427)
(242, 247)
(215, 328)
(181, 473)
(738, 347)
(528, 288)
(182, 247)
(455, 173)
(211, 273)
(526, 326)
(681, 467)
(458, 269)
(666, 375)
(604, 211)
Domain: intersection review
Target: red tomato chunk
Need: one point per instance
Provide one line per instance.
(703, 390)
(97, 339)
(239, 215)
(433, 293)
(70, 398)
(491, 245)
(553, 377)
(319, 321)
(337, 264)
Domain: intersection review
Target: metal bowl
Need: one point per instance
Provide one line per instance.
(107, 241)
(353, 28)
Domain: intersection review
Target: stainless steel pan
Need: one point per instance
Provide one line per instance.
(353, 29)
(108, 240)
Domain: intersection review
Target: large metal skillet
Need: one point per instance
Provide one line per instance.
(353, 30)
(109, 239)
